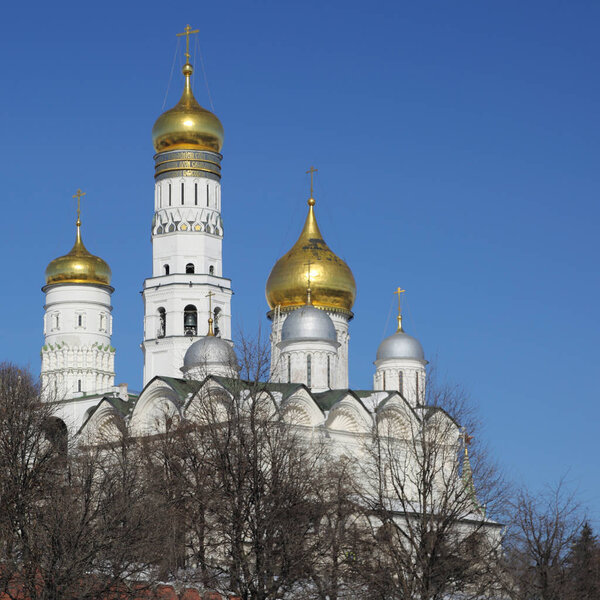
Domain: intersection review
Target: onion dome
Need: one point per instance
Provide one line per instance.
(308, 324)
(400, 345)
(187, 125)
(78, 266)
(210, 351)
(331, 280)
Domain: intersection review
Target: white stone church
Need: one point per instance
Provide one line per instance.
(187, 313)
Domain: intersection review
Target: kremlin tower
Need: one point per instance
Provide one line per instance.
(187, 235)
(77, 356)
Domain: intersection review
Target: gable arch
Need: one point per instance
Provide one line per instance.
(397, 419)
(350, 416)
(301, 409)
(156, 407)
(105, 425)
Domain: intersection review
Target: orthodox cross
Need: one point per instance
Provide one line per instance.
(210, 319)
(188, 31)
(307, 265)
(312, 171)
(399, 291)
(78, 194)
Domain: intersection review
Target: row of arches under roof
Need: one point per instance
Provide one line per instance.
(166, 403)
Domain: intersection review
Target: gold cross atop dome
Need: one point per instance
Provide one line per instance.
(78, 194)
(188, 31)
(400, 291)
(312, 171)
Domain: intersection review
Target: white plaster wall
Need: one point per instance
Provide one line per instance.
(341, 324)
(297, 353)
(387, 378)
(194, 235)
(339, 365)
(77, 355)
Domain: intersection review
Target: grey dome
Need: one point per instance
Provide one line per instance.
(400, 345)
(308, 323)
(209, 350)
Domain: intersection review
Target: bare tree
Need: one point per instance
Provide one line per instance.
(583, 566)
(243, 484)
(339, 536)
(74, 522)
(428, 503)
(542, 530)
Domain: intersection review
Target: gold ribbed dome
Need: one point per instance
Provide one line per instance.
(188, 126)
(332, 284)
(78, 266)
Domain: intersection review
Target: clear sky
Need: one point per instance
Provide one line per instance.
(457, 145)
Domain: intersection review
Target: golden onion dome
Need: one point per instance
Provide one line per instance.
(187, 126)
(78, 266)
(332, 284)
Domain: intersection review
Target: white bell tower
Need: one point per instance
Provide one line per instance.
(78, 358)
(187, 235)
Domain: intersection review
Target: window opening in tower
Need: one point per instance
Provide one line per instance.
(162, 323)
(190, 320)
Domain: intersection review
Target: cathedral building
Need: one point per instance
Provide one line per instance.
(187, 342)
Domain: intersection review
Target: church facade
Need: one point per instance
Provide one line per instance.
(187, 341)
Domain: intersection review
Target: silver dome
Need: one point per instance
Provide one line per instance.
(209, 350)
(400, 345)
(308, 323)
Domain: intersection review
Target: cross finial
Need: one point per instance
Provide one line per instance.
(308, 290)
(400, 291)
(188, 31)
(312, 171)
(78, 194)
(210, 319)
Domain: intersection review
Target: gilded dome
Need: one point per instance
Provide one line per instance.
(78, 266)
(187, 126)
(331, 281)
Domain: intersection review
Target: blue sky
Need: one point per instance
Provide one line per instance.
(457, 146)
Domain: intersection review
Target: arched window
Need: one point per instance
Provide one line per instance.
(329, 371)
(162, 323)
(400, 382)
(211, 270)
(207, 197)
(190, 320)
(79, 385)
(189, 268)
(167, 269)
(289, 369)
(196, 194)
(383, 377)
(169, 194)
(309, 370)
(79, 320)
(182, 193)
